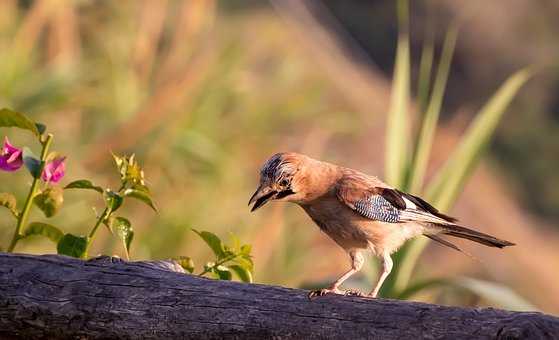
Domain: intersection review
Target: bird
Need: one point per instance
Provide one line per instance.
(358, 212)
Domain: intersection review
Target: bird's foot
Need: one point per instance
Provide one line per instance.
(353, 292)
(326, 291)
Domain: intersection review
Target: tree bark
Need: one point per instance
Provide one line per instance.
(56, 297)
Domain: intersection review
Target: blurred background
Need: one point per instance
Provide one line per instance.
(204, 91)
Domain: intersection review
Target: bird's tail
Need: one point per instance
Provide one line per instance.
(445, 225)
(476, 236)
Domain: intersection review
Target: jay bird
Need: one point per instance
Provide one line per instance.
(357, 211)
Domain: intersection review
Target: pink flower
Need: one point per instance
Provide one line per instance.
(10, 157)
(54, 170)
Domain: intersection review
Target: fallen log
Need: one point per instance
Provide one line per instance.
(49, 296)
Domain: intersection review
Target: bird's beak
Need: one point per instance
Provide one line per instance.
(262, 195)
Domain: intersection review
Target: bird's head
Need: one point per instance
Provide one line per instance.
(281, 178)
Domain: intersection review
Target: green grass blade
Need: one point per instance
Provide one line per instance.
(425, 66)
(431, 117)
(398, 120)
(405, 266)
(450, 179)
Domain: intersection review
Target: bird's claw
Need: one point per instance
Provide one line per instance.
(318, 292)
(326, 291)
(322, 292)
(351, 292)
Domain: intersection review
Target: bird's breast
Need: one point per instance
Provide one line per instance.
(340, 223)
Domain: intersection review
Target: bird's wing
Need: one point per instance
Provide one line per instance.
(386, 204)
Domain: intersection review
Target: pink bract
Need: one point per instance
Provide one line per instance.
(11, 157)
(54, 170)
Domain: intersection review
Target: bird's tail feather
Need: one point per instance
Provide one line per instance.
(450, 245)
(476, 236)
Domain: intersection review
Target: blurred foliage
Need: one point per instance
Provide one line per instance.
(50, 168)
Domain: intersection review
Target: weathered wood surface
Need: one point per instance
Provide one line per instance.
(63, 298)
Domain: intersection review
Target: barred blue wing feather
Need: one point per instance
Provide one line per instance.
(377, 208)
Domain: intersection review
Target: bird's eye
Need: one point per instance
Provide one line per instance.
(284, 182)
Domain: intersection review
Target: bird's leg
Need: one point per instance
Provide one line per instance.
(357, 261)
(386, 269)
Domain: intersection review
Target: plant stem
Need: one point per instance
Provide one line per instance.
(105, 215)
(101, 218)
(98, 223)
(219, 263)
(29, 200)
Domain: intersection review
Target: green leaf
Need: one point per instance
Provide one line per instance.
(243, 273)
(32, 162)
(9, 201)
(236, 243)
(71, 245)
(141, 195)
(84, 184)
(496, 294)
(397, 130)
(141, 187)
(125, 232)
(213, 241)
(186, 262)
(113, 200)
(246, 249)
(223, 272)
(50, 200)
(244, 257)
(47, 230)
(431, 117)
(244, 261)
(108, 222)
(451, 178)
(9, 118)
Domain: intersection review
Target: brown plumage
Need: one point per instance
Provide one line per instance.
(357, 211)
